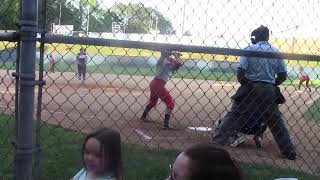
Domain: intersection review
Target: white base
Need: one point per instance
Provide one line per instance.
(200, 128)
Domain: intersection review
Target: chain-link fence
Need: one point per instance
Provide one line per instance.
(121, 43)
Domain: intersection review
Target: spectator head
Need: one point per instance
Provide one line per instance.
(101, 153)
(204, 162)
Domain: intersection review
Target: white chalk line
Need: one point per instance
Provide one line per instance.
(145, 136)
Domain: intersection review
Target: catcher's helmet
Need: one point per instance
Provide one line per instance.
(260, 34)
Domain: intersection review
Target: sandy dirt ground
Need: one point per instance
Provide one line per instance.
(117, 101)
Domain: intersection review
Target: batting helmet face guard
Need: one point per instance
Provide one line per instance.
(260, 34)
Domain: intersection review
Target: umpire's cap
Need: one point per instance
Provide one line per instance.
(260, 34)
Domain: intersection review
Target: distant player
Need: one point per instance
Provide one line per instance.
(168, 63)
(52, 63)
(81, 64)
(303, 77)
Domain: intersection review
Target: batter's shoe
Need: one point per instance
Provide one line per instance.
(289, 155)
(166, 127)
(145, 119)
(165, 124)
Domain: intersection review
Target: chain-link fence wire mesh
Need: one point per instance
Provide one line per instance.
(7, 106)
(9, 13)
(116, 89)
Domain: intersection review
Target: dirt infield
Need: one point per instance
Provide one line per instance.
(118, 100)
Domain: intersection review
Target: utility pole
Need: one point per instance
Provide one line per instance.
(88, 20)
(184, 14)
(60, 13)
(205, 29)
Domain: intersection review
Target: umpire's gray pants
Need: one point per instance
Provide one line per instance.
(261, 99)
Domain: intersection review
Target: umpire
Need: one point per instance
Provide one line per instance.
(258, 93)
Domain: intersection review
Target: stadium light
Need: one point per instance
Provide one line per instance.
(59, 12)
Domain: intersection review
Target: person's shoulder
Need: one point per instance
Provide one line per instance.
(80, 175)
(248, 47)
(268, 46)
(275, 49)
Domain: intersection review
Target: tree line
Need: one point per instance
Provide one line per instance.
(89, 15)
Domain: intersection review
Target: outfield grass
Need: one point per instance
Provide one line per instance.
(61, 159)
(308, 46)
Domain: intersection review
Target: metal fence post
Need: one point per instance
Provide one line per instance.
(23, 143)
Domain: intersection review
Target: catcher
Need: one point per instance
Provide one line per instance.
(168, 63)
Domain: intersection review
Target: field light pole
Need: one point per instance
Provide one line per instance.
(59, 12)
(88, 20)
(293, 38)
(23, 143)
(184, 14)
(205, 29)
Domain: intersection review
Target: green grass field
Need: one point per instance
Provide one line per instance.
(61, 159)
(302, 46)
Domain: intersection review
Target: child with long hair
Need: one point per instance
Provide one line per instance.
(101, 156)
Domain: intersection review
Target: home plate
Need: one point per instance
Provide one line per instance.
(200, 128)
